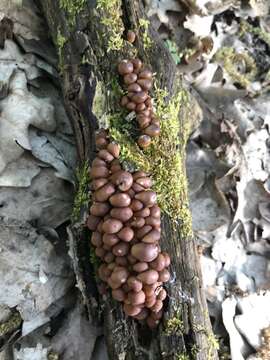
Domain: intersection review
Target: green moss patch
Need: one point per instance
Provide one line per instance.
(11, 324)
(110, 12)
(72, 8)
(164, 159)
(82, 196)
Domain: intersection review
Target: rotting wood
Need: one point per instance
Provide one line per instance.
(81, 38)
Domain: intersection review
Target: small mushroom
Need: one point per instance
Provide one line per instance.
(144, 141)
(139, 97)
(148, 277)
(120, 200)
(159, 263)
(134, 284)
(98, 183)
(123, 214)
(99, 209)
(134, 88)
(145, 84)
(121, 249)
(99, 172)
(164, 275)
(136, 298)
(148, 198)
(125, 67)
(96, 239)
(131, 310)
(92, 222)
(146, 74)
(114, 150)
(130, 78)
(126, 234)
(143, 231)
(120, 274)
(140, 267)
(105, 155)
(136, 205)
(112, 226)
(103, 193)
(131, 36)
(144, 252)
(110, 239)
(152, 237)
(152, 130)
(122, 179)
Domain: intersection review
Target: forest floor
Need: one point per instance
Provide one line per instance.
(222, 50)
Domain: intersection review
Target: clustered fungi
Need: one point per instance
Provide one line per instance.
(138, 82)
(125, 223)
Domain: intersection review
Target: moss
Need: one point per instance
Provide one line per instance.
(110, 11)
(182, 356)
(11, 324)
(164, 159)
(60, 43)
(174, 326)
(213, 345)
(246, 27)
(144, 26)
(72, 8)
(82, 196)
(230, 60)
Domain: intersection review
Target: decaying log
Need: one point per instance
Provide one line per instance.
(80, 31)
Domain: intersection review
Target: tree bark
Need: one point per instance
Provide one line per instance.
(83, 58)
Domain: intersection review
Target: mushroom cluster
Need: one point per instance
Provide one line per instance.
(125, 223)
(138, 82)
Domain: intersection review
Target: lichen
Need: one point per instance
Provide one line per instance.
(262, 35)
(82, 196)
(213, 345)
(144, 26)
(11, 324)
(110, 11)
(164, 159)
(264, 351)
(231, 60)
(60, 43)
(52, 356)
(174, 325)
(182, 356)
(72, 8)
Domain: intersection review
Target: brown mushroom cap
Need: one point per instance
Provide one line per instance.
(131, 310)
(159, 263)
(152, 130)
(144, 252)
(99, 209)
(103, 193)
(120, 200)
(112, 226)
(98, 183)
(131, 36)
(152, 237)
(139, 97)
(125, 67)
(143, 231)
(92, 222)
(114, 149)
(136, 205)
(99, 172)
(126, 234)
(162, 295)
(120, 274)
(144, 141)
(145, 74)
(145, 182)
(122, 179)
(134, 88)
(96, 239)
(105, 155)
(145, 84)
(140, 267)
(134, 284)
(123, 214)
(157, 307)
(164, 275)
(167, 258)
(110, 239)
(147, 197)
(148, 277)
(136, 298)
(121, 249)
(130, 78)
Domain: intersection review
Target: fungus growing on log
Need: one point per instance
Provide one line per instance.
(125, 223)
(137, 82)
